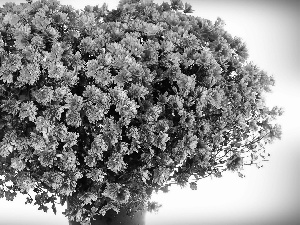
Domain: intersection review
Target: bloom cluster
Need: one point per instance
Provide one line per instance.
(103, 107)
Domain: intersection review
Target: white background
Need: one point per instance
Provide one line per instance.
(266, 196)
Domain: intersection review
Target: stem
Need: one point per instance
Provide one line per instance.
(257, 139)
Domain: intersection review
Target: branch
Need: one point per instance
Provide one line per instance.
(255, 140)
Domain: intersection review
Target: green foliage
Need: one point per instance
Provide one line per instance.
(101, 108)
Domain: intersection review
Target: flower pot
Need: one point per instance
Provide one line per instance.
(121, 218)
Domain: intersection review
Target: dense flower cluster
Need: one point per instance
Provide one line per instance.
(102, 107)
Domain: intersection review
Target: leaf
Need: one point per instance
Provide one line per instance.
(110, 205)
(145, 175)
(10, 18)
(161, 175)
(176, 4)
(96, 175)
(10, 195)
(188, 8)
(161, 140)
(74, 102)
(47, 158)
(116, 163)
(44, 95)
(5, 149)
(88, 198)
(90, 160)
(29, 200)
(165, 6)
(43, 207)
(101, 74)
(153, 206)
(193, 185)
(54, 208)
(40, 20)
(73, 118)
(234, 162)
(69, 160)
(241, 175)
(44, 126)
(218, 174)
(29, 74)
(111, 191)
(18, 164)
